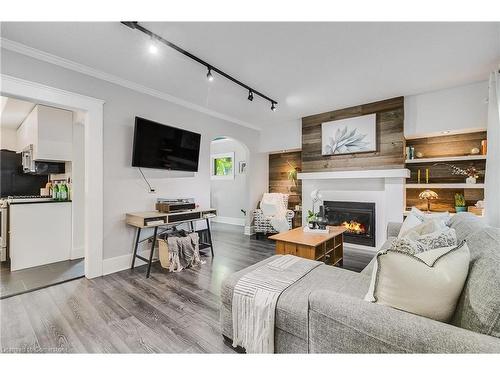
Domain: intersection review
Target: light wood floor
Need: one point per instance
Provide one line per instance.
(125, 312)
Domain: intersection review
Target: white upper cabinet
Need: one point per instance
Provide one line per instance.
(50, 131)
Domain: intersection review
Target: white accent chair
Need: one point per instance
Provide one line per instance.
(263, 224)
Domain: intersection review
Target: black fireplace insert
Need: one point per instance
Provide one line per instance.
(357, 217)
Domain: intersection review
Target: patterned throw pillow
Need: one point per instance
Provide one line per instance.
(435, 240)
(408, 246)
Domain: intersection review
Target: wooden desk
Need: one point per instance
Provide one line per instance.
(327, 248)
(155, 220)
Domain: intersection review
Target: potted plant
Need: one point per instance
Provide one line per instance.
(460, 203)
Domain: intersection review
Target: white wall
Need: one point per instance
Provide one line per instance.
(230, 196)
(124, 189)
(461, 109)
(286, 136)
(8, 139)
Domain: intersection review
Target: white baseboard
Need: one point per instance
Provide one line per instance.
(229, 220)
(123, 262)
(249, 230)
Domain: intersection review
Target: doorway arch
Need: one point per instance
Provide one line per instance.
(229, 190)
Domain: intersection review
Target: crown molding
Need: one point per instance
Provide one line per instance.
(99, 74)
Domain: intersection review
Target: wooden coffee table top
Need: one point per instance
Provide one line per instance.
(298, 236)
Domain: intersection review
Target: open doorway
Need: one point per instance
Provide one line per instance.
(42, 197)
(228, 181)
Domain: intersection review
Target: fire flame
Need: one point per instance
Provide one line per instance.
(354, 227)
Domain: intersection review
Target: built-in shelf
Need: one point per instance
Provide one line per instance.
(445, 186)
(446, 159)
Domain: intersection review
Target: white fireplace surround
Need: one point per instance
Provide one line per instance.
(384, 187)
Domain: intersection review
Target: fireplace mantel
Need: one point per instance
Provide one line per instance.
(365, 173)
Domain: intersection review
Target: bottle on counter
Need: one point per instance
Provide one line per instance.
(70, 189)
(63, 191)
(55, 191)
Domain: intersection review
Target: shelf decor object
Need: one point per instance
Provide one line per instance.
(471, 172)
(428, 195)
(460, 203)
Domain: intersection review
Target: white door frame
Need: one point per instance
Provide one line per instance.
(93, 108)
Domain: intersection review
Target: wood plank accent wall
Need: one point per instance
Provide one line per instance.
(390, 139)
(278, 176)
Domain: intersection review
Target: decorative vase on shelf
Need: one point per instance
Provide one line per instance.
(470, 180)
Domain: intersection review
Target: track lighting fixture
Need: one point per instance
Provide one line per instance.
(210, 76)
(153, 48)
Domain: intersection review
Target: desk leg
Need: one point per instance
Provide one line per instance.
(152, 251)
(138, 235)
(210, 238)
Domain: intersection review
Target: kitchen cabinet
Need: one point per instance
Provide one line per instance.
(50, 131)
(39, 233)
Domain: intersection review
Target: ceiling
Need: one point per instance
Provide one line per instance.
(307, 67)
(13, 112)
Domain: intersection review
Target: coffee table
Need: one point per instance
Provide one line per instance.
(327, 247)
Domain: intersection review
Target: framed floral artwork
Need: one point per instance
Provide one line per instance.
(349, 136)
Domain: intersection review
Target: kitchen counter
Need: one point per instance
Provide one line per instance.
(39, 233)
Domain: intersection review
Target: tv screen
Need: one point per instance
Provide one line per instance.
(165, 147)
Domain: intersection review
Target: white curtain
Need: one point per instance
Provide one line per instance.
(492, 191)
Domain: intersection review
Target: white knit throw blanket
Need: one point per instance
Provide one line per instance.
(273, 208)
(255, 297)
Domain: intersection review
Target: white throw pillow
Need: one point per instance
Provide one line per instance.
(427, 284)
(409, 223)
(428, 227)
(444, 217)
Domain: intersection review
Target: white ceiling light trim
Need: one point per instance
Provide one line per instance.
(84, 69)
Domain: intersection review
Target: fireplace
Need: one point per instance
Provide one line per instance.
(357, 217)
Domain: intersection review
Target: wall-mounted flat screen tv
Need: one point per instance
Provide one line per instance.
(165, 147)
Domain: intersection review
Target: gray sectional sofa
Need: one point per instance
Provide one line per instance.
(324, 312)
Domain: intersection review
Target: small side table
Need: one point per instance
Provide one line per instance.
(327, 248)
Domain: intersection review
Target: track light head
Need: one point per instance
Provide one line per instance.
(153, 49)
(273, 106)
(210, 76)
(250, 95)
